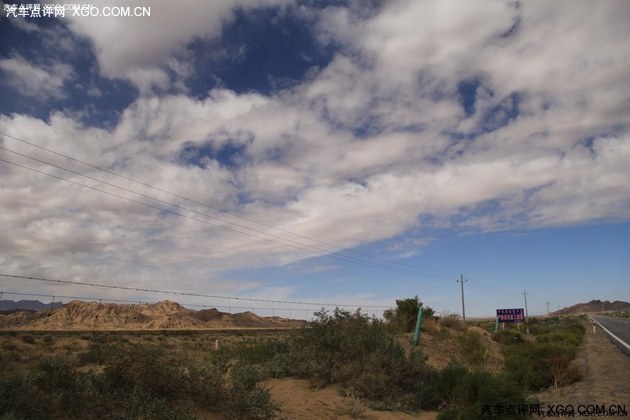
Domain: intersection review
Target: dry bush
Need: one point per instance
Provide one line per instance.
(431, 326)
(561, 369)
(356, 409)
(453, 322)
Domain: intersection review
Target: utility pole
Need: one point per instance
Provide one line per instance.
(547, 308)
(463, 307)
(526, 312)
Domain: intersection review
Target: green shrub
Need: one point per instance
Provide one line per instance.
(404, 317)
(54, 390)
(466, 394)
(473, 349)
(245, 397)
(523, 364)
(29, 339)
(365, 357)
(148, 370)
(508, 337)
(547, 361)
(137, 383)
(256, 351)
(360, 353)
(9, 346)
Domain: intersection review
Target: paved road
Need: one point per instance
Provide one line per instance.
(620, 327)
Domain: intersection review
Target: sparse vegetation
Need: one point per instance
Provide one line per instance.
(468, 392)
(546, 360)
(364, 356)
(359, 352)
(453, 321)
(176, 374)
(473, 349)
(141, 382)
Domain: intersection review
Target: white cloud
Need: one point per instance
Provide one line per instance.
(125, 46)
(42, 82)
(306, 169)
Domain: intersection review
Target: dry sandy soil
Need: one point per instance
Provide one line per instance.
(605, 374)
(300, 401)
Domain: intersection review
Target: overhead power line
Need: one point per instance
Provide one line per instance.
(185, 304)
(489, 289)
(418, 270)
(204, 306)
(300, 247)
(178, 293)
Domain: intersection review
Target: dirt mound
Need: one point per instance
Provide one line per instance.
(78, 315)
(443, 345)
(493, 357)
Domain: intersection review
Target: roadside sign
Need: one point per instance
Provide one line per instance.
(511, 315)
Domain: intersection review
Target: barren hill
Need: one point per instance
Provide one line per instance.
(78, 315)
(594, 305)
(27, 305)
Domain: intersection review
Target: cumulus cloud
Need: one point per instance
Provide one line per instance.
(41, 82)
(126, 50)
(357, 152)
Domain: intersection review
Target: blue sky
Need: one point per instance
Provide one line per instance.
(381, 149)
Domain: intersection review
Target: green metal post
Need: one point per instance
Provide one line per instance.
(496, 326)
(416, 335)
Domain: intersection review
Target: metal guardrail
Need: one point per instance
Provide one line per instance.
(625, 347)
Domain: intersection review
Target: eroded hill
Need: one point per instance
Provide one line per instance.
(78, 315)
(594, 305)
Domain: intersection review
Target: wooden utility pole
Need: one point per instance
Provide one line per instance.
(461, 280)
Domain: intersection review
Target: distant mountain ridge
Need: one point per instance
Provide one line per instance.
(594, 305)
(79, 315)
(26, 305)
